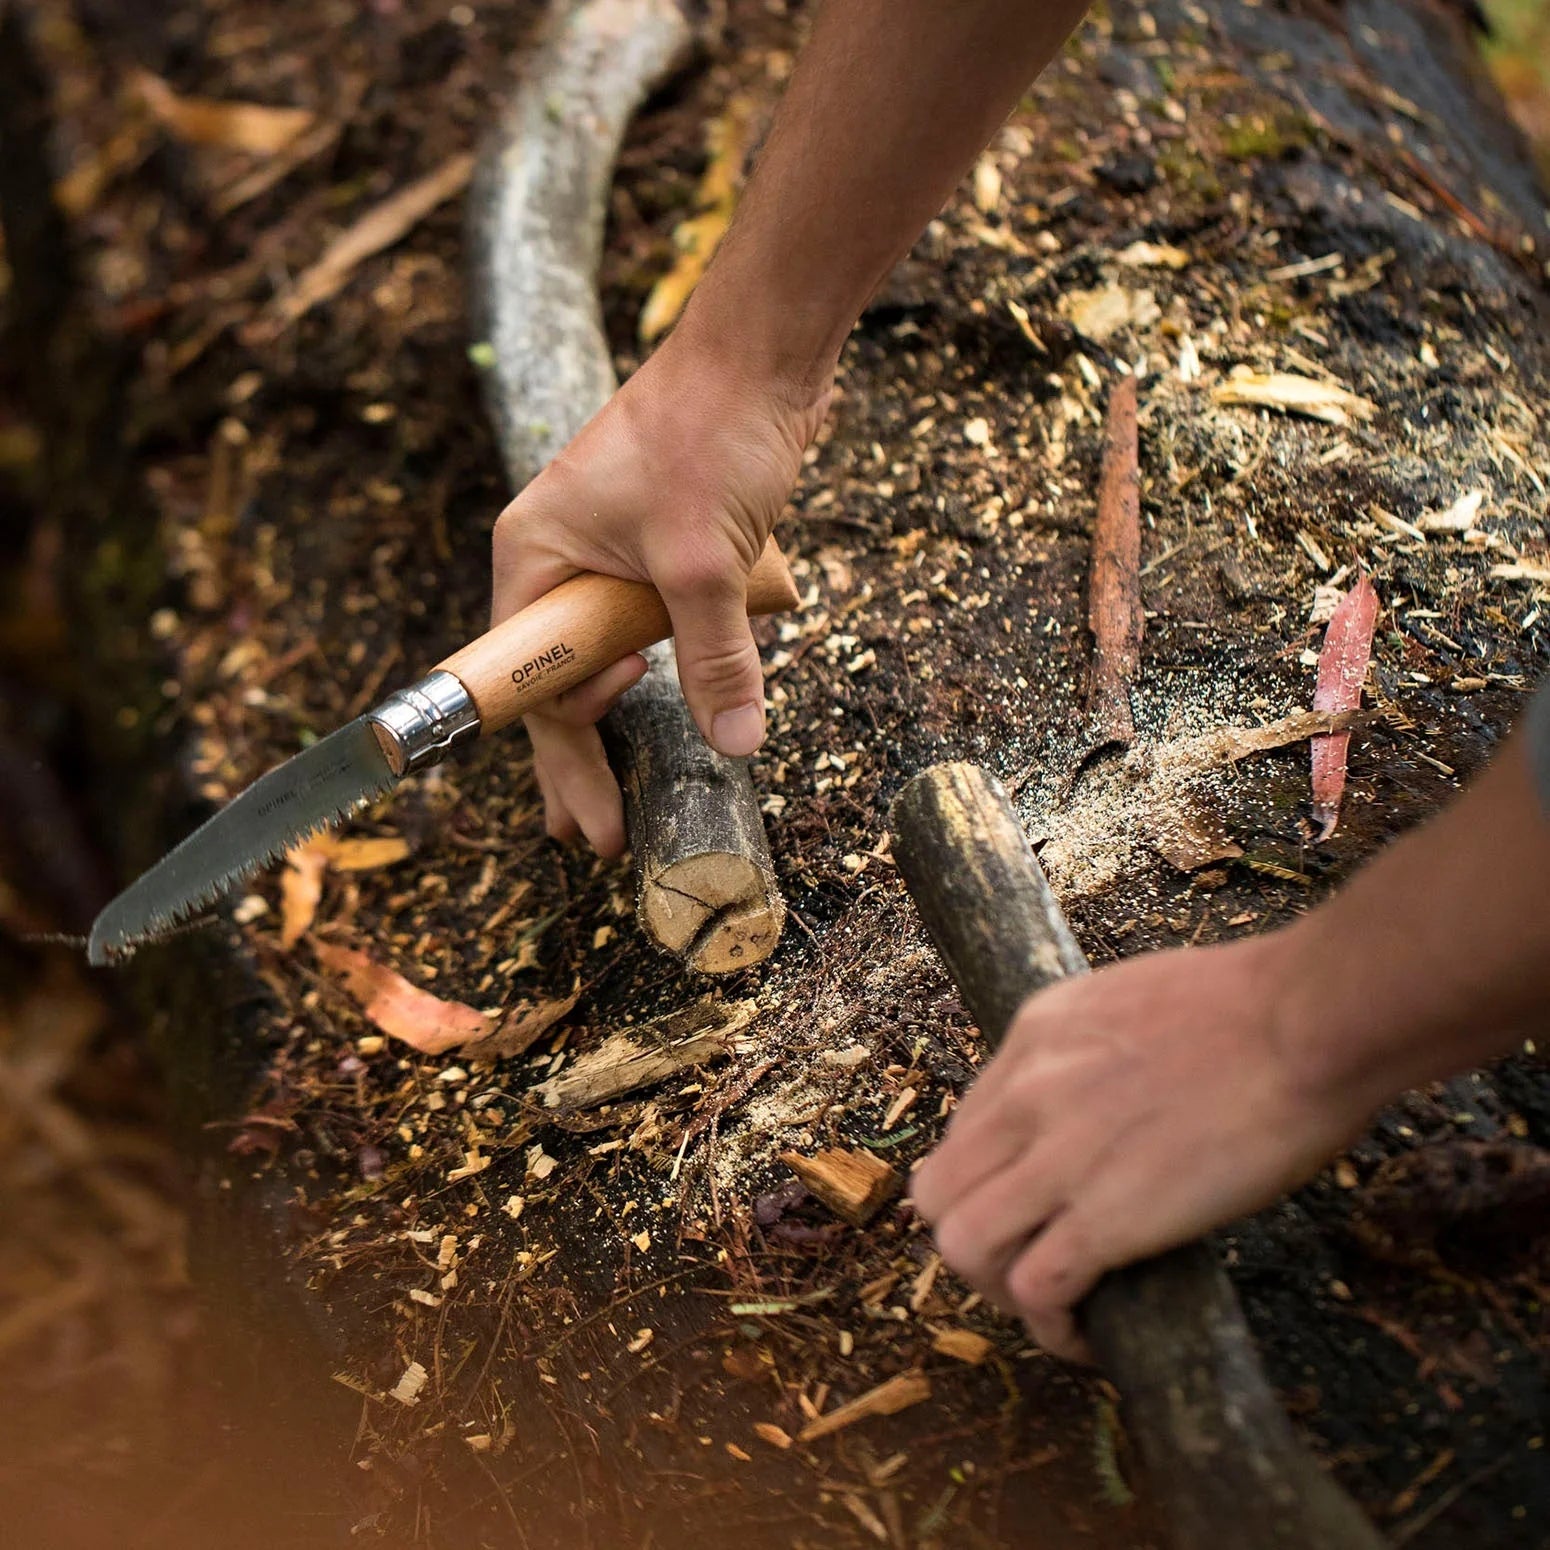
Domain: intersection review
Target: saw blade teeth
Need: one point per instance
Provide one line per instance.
(318, 789)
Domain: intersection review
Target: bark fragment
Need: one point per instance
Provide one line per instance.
(1114, 600)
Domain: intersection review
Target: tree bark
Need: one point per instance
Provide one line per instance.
(1219, 1452)
(704, 882)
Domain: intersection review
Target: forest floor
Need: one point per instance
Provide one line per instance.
(934, 485)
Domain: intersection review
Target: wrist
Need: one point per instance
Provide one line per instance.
(1331, 1022)
(786, 352)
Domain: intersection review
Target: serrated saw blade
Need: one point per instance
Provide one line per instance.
(319, 787)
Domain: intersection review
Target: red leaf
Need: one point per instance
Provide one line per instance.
(1342, 668)
(399, 1009)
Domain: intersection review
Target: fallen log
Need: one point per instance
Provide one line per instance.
(704, 882)
(1219, 1452)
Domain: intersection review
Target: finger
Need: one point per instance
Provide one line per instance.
(577, 769)
(989, 1130)
(522, 566)
(1051, 1277)
(718, 663)
(592, 700)
(983, 1232)
(559, 823)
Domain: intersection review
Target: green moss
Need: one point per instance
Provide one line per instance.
(1264, 136)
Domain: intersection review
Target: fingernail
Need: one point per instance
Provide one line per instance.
(736, 733)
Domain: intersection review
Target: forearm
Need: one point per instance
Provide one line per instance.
(888, 106)
(1437, 955)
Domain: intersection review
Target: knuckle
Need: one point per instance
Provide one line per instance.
(720, 668)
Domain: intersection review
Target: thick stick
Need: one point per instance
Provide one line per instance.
(1220, 1454)
(705, 884)
(1114, 584)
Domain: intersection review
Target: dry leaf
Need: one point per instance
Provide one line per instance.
(1154, 255)
(1192, 837)
(364, 853)
(379, 228)
(697, 237)
(523, 1026)
(301, 889)
(232, 126)
(1100, 314)
(1342, 668)
(401, 1010)
(1460, 517)
(1291, 394)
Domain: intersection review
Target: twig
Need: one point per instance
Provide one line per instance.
(1114, 596)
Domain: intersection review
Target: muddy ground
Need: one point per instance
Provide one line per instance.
(307, 520)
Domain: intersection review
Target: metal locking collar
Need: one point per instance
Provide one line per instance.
(421, 725)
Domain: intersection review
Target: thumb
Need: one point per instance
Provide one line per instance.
(718, 662)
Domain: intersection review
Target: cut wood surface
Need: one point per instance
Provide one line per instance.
(705, 885)
(1219, 1452)
(1114, 613)
(853, 1184)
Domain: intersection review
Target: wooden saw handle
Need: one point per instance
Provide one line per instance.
(1219, 1452)
(576, 630)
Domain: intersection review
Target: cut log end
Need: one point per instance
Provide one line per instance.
(854, 1185)
(719, 911)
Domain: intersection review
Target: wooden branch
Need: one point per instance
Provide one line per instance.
(1219, 1452)
(705, 884)
(1114, 587)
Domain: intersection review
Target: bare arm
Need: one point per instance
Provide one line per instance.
(681, 477)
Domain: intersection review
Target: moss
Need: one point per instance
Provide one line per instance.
(1265, 136)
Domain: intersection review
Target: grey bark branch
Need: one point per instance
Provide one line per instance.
(1219, 1452)
(705, 884)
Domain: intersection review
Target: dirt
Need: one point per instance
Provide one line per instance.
(324, 502)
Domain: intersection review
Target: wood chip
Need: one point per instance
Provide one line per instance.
(899, 1393)
(855, 1185)
(1293, 395)
(626, 1062)
(401, 1010)
(963, 1345)
(381, 227)
(776, 1436)
(1460, 517)
(1342, 669)
(1100, 314)
(407, 1390)
(1154, 255)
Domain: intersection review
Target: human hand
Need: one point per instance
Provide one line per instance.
(1128, 1111)
(678, 481)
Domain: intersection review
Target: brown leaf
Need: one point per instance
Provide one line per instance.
(1342, 668)
(301, 889)
(379, 228)
(696, 239)
(1192, 837)
(401, 1010)
(231, 126)
(523, 1026)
